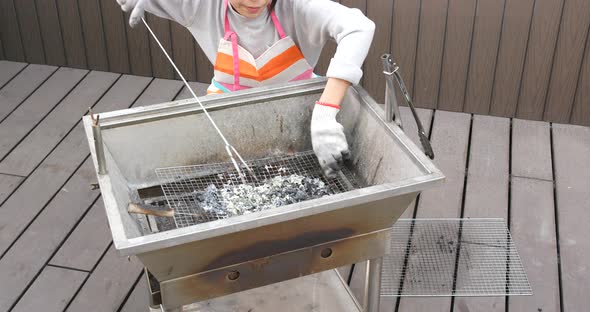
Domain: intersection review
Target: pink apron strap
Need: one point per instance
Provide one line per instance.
(278, 26)
(229, 34)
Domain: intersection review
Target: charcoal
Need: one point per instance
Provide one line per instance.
(237, 199)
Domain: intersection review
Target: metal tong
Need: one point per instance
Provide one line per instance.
(392, 113)
(228, 147)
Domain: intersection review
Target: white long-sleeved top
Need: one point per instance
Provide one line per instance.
(310, 23)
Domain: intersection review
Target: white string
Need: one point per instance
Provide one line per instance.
(228, 147)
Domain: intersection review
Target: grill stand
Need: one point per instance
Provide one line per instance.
(373, 285)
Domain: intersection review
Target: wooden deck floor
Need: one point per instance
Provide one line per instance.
(55, 247)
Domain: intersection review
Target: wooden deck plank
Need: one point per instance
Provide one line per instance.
(17, 90)
(581, 111)
(32, 111)
(484, 50)
(39, 241)
(534, 236)
(511, 55)
(91, 237)
(8, 70)
(531, 146)
(30, 32)
(10, 33)
(71, 27)
(33, 249)
(94, 39)
(456, 55)
(324, 61)
(204, 66)
(326, 56)
(380, 12)
(406, 18)
(450, 135)
(199, 88)
(20, 208)
(571, 145)
(115, 36)
(139, 299)
(37, 144)
(431, 40)
(108, 285)
(49, 25)
(159, 91)
(88, 241)
(486, 194)
(161, 67)
(541, 47)
(138, 42)
(568, 57)
(8, 183)
(359, 4)
(362, 6)
(52, 290)
(183, 51)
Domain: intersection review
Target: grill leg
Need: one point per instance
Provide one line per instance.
(170, 310)
(373, 285)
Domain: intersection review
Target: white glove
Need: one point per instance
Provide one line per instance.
(137, 8)
(327, 139)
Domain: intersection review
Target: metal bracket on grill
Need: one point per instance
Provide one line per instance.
(98, 145)
(391, 106)
(390, 69)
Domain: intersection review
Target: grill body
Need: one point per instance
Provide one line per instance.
(220, 257)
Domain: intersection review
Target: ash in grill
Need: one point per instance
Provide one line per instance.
(245, 198)
(205, 193)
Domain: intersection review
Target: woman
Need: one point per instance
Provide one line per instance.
(261, 42)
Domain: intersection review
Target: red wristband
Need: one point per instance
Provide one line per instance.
(328, 104)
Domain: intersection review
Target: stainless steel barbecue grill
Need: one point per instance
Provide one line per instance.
(205, 258)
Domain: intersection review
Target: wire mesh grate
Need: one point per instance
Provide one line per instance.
(453, 257)
(182, 184)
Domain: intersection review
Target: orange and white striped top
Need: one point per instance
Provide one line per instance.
(236, 69)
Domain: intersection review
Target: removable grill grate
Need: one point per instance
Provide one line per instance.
(423, 260)
(181, 184)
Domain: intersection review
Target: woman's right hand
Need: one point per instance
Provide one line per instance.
(137, 8)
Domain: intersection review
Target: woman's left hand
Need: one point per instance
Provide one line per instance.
(327, 134)
(328, 139)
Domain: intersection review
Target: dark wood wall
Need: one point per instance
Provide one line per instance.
(515, 58)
